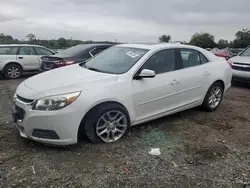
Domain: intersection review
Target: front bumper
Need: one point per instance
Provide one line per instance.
(49, 127)
(241, 76)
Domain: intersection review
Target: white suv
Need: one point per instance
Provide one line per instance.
(18, 58)
(120, 87)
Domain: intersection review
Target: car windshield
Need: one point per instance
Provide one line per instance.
(73, 51)
(115, 60)
(246, 52)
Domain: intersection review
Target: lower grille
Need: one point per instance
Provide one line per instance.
(20, 113)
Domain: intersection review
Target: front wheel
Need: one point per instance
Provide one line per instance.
(213, 97)
(106, 123)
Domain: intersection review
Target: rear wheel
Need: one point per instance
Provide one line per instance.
(213, 97)
(106, 123)
(12, 71)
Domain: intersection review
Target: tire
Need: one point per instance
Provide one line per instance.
(13, 71)
(212, 106)
(97, 122)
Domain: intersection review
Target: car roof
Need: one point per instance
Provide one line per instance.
(159, 46)
(1, 45)
(95, 44)
(155, 46)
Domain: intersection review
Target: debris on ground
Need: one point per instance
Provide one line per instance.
(155, 151)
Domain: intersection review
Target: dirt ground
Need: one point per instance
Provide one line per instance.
(198, 149)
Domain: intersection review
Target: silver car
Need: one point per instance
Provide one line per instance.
(18, 58)
(241, 66)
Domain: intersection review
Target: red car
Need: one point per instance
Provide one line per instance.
(226, 53)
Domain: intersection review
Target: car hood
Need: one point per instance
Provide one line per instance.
(63, 80)
(241, 59)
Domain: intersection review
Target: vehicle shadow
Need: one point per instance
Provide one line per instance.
(241, 85)
(24, 76)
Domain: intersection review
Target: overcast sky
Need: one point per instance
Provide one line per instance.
(124, 20)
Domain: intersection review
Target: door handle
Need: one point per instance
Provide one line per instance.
(20, 57)
(207, 73)
(175, 82)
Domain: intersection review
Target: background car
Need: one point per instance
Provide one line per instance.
(226, 53)
(72, 55)
(18, 58)
(241, 66)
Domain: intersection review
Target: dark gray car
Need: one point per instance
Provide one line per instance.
(72, 55)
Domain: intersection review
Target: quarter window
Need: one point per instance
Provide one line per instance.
(190, 58)
(203, 59)
(8, 50)
(161, 62)
(27, 51)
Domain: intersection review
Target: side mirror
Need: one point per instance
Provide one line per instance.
(146, 73)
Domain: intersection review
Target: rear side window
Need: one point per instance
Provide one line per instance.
(43, 51)
(8, 50)
(191, 58)
(27, 51)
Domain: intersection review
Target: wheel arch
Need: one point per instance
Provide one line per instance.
(95, 106)
(13, 62)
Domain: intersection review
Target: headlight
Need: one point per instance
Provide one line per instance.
(55, 102)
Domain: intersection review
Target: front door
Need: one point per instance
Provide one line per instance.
(28, 58)
(153, 96)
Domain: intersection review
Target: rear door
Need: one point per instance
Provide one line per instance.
(195, 77)
(28, 58)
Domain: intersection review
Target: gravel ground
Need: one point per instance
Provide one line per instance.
(198, 149)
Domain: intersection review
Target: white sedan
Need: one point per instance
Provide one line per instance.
(123, 86)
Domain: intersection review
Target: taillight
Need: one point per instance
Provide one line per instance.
(230, 63)
(64, 63)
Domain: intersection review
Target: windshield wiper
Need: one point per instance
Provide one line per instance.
(93, 69)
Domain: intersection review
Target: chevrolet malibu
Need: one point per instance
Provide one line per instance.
(126, 85)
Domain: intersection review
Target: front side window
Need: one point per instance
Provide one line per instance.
(116, 60)
(190, 58)
(8, 50)
(161, 62)
(27, 51)
(43, 51)
(246, 52)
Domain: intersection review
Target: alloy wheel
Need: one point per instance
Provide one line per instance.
(13, 72)
(111, 126)
(215, 97)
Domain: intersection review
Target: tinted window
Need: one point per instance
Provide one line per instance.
(162, 61)
(27, 51)
(116, 60)
(203, 59)
(101, 49)
(190, 58)
(43, 51)
(79, 50)
(93, 52)
(246, 52)
(8, 50)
